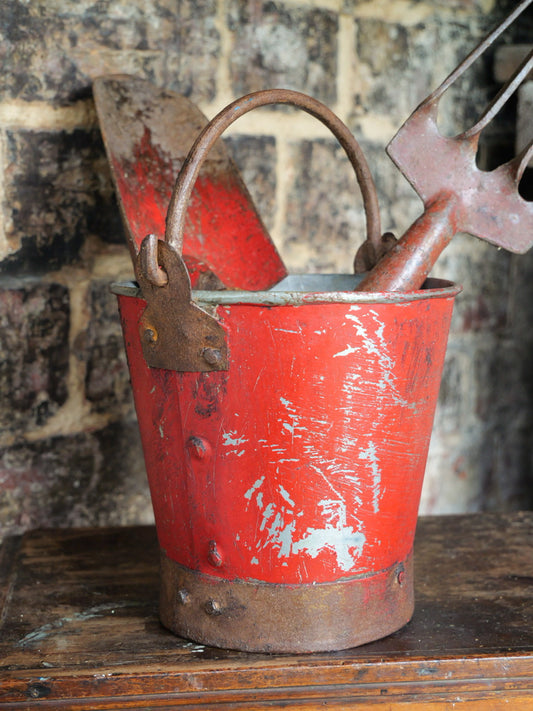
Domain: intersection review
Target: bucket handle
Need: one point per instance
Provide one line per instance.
(175, 333)
(177, 210)
(368, 254)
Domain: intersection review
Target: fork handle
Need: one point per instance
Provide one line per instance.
(406, 266)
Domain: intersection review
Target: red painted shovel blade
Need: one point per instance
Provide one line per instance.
(147, 134)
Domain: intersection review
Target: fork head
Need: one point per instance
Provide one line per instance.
(491, 206)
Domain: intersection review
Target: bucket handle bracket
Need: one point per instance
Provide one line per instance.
(176, 334)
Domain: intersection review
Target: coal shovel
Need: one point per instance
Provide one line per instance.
(147, 133)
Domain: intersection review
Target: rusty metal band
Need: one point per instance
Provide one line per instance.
(185, 183)
(267, 617)
(319, 289)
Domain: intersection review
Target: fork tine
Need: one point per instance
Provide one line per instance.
(520, 162)
(457, 195)
(503, 95)
(477, 52)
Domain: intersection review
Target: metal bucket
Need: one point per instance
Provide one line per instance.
(286, 488)
(285, 434)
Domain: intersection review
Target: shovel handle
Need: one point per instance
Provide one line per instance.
(177, 210)
(406, 266)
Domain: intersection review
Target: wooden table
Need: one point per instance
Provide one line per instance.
(79, 630)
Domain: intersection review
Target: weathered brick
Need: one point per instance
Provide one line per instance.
(90, 479)
(34, 354)
(456, 396)
(483, 466)
(412, 12)
(398, 63)
(325, 219)
(399, 204)
(520, 296)
(394, 55)
(503, 382)
(506, 475)
(383, 45)
(255, 157)
(281, 45)
(107, 384)
(58, 192)
(480, 457)
(192, 62)
(485, 275)
(53, 50)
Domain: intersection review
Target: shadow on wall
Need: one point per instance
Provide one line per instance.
(70, 451)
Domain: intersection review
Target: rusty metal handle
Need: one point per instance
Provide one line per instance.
(191, 167)
(406, 266)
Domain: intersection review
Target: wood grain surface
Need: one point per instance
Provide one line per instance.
(79, 630)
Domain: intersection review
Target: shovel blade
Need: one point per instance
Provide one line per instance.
(147, 134)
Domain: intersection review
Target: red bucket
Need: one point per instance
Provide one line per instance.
(286, 488)
(285, 448)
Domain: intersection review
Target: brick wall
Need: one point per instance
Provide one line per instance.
(69, 447)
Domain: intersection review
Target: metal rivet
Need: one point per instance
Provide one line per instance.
(212, 356)
(198, 447)
(184, 597)
(214, 555)
(212, 607)
(150, 336)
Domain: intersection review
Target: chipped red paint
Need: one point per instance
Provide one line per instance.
(218, 206)
(147, 134)
(304, 461)
(145, 181)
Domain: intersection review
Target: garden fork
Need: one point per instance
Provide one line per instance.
(458, 196)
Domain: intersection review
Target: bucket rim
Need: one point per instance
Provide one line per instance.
(434, 288)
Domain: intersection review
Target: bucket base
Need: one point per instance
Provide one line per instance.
(270, 617)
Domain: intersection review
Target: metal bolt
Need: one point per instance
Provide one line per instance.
(198, 447)
(212, 356)
(212, 607)
(184, 597)
(214, 555)
(150, 336)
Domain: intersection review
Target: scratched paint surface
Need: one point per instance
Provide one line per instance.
(219, 205)
(303, 462)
